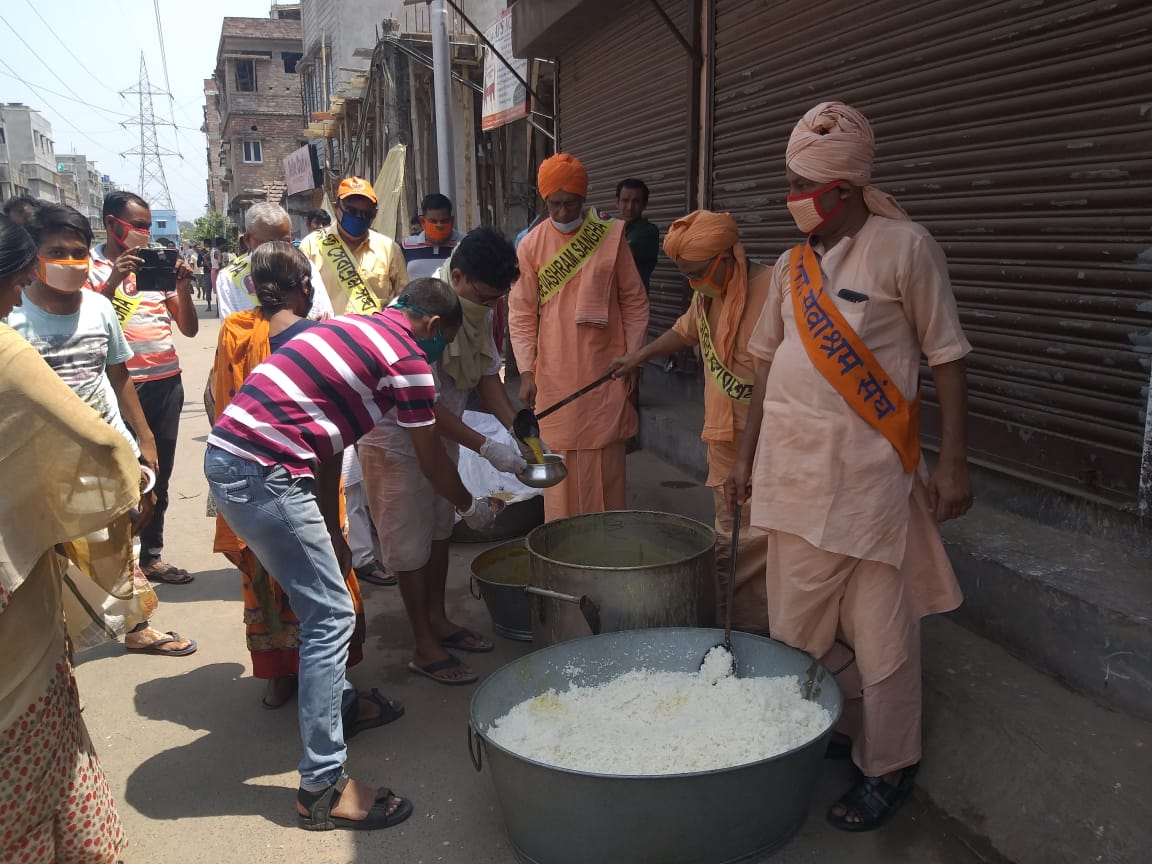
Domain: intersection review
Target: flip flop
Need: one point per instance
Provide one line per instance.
(167, 573)
(431, 669)
(390, 710)
(459, 641)
(168, 638)
(368, 572)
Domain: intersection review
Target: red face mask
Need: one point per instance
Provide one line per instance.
(129, 235)
(810, 217)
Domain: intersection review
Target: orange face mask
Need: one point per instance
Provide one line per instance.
(435, 230)
(64, 274)
(707, 284)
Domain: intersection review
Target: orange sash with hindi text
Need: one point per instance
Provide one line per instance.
(844, 360)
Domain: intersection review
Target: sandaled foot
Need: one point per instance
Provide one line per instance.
(152, 641)
(371, 710)
(464, 639)
(162, 571)
(375, 573)
(350, 805)
(873, 801)
(279, 692)
(450, 670)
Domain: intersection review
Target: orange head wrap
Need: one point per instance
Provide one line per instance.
(701, 236)
(562, 171)
(834, 142)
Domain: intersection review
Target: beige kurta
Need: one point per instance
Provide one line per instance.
(380, 261)
(749, 604)
(565, 356)
(855, 554)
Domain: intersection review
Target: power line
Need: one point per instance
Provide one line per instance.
(164, 66)
(46, 102)
(153, 183)
(66, 48)
(99, 109)
(67, 86)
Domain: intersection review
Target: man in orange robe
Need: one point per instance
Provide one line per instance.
(831, 459)
(729, 291)
(579, 303)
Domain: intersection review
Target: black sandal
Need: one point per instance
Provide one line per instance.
(320, 806)
(873, 802)
(390, 710)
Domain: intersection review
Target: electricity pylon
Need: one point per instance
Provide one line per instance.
(153, 185)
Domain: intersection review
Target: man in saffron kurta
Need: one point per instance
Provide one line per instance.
(569, 315)
(855, 558)
(729, 291)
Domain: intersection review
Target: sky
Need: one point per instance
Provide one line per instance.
(74, 61)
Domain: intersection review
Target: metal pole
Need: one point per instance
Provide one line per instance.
(442, 85)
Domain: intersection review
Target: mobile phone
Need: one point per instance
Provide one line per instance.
(851, 296)
(158, 272)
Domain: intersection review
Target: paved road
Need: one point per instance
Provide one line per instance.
(202, 774)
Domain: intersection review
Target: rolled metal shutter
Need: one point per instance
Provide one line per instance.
(1019, 133)
(623, 106)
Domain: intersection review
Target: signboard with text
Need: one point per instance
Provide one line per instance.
(298, 170)
(505, 98)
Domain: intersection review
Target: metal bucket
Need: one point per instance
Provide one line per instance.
(499, 577)
(559, 816)
(640, 569)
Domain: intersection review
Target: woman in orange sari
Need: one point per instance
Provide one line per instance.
(284, 294)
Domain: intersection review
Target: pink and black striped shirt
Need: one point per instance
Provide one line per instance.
(325, 389)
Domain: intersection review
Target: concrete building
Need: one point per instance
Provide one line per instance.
(366, 83)
(27, 154)
(89, 184)
(252, 118)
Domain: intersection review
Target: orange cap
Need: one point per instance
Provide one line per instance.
(355, 186)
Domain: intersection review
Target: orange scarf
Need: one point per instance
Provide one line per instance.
(242, 346)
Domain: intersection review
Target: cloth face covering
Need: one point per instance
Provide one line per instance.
(809, 216)
(65, 274)
(707, 284)
(130, 236)
(354, 226)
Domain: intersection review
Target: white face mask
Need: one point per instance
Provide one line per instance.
(66, 275)
(568, 227)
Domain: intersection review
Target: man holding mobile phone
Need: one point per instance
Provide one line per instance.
(146, 317)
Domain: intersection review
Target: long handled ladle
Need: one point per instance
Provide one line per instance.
(526, 424)
(731, 588)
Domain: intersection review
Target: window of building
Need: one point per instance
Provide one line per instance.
(161, 223)
(253, 152)
(291, 58)
(246, 76)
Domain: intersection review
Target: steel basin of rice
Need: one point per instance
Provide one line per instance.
(653, 796)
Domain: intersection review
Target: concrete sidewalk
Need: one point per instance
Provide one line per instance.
(202, 774)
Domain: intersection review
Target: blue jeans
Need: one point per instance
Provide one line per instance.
(279, 517)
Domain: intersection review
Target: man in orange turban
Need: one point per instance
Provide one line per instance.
(830, 458)
(728, 294)
(579, 303)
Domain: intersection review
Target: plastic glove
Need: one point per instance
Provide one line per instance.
(481, 514)
(502, 457)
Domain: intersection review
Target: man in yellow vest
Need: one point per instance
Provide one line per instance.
(830, 458)
(728, 293)
(578, 304)
(362, 269)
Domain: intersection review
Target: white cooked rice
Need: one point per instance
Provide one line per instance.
(645, 722)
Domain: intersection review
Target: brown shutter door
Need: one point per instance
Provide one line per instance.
(1020, 134)
(624, 97)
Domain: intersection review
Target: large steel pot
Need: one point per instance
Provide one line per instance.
(499, 578)
(640, 569)
(559, 816)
